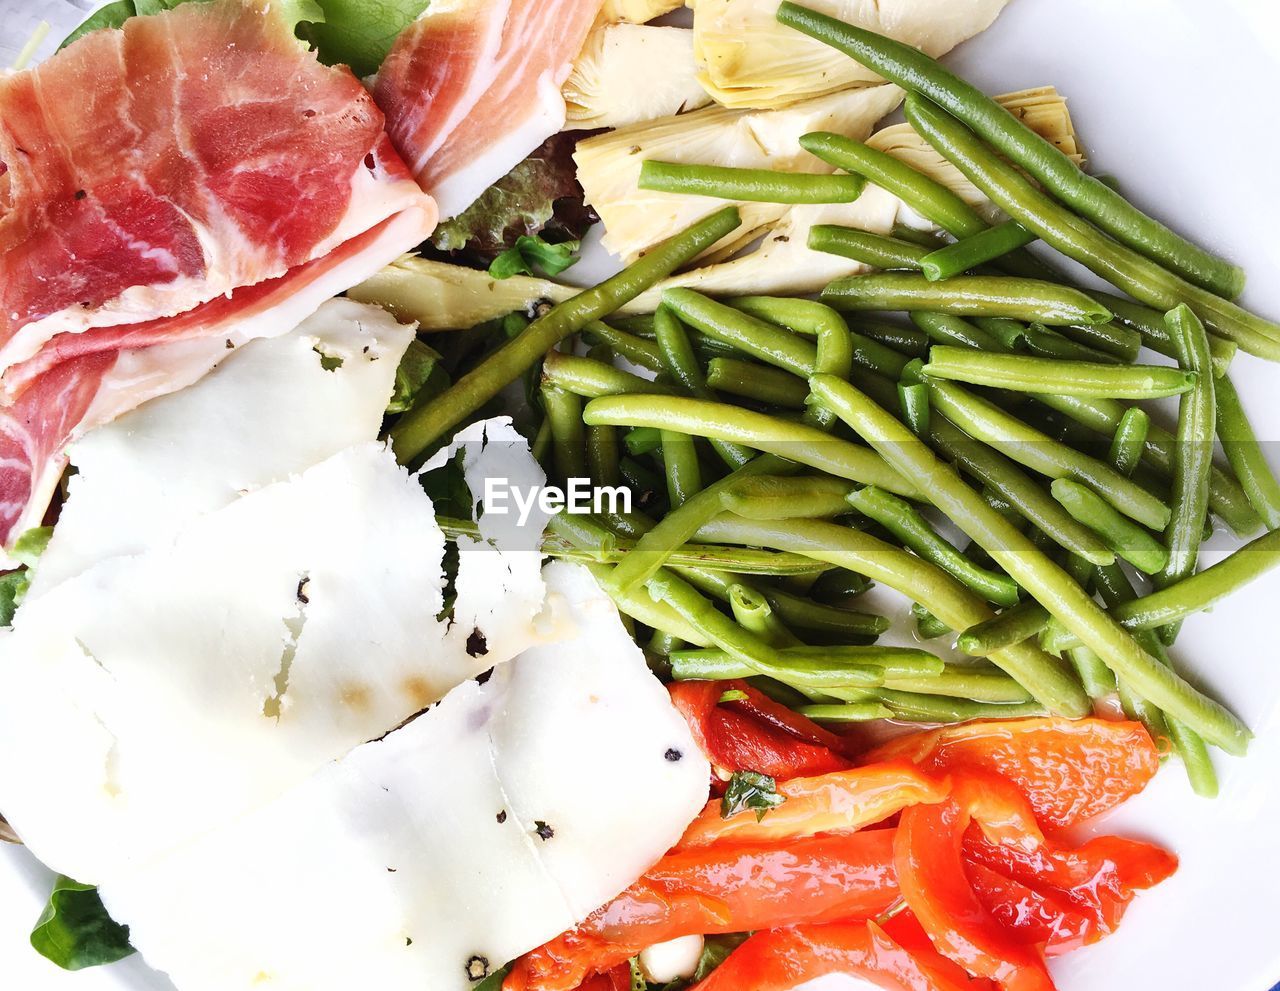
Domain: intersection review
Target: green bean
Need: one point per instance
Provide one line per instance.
(590, 378)
(975, 250)
(1024, 444)
(1013, 625)
(915, 578)
(1114, 338)
(684, 474)
(1098, 680)
(946, 329)
(905, 340)
(847, 712)
(753, 185)
(1196, 430)
(962, 681)
(919, 74)
(930, 239)
(770, 497)
(749, 334)
(577, 530)
(914, 400)
(839, 585)
(678, 360)
(645, 482)
(1192, 594)
(875, 250)
(1244, 454)
(1011, 334)
(1113, 584)
(644, 609)
(928, 626)
(1129, 440)
(796, 442)
(1149, 324)
(634, 349)
(856, 667)
(663, 644)
(763, 383)
(642, 441)
(966, 295)
(926, 196)
(1049, 343)
(1123, 267)
(902, 520)
(1226, 497)
(917, 708)
(1026, 373)
(603, 456)
(568, 438)
(1022, 492)
(1035, 572)
(416, 431)
(1122, 535)
(754, 613)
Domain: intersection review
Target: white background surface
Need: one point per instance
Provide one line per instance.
(1176, 99)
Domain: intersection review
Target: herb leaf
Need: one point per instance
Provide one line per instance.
(75, 931)
(750, 790)
(417, 368)
(13, 586)
(533, 253)
(110, 16)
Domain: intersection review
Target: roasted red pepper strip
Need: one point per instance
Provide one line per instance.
(842, 801)
(928, 852)
(1035, 916)
(756, 733)
(738, 888)
(1071, 770)
(618, 979)
(785, 958)
(1097, 880)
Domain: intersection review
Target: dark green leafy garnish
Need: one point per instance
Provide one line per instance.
(531, 255)
(750, 790)
(75, 930)
(418, 368)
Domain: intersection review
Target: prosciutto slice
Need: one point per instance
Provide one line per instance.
(473, 86)
(209, 183)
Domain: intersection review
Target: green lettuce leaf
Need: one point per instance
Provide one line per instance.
(540, 195)
(359, 33)
(75, 930)
(418, 375)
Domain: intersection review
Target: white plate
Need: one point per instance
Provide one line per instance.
(1174, 98)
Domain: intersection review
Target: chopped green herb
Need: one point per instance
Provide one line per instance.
(13, 586)
(28, 547)
(417, 368)
(750, 790)
(75, 931)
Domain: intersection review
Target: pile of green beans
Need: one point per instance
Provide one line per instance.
(789, 454)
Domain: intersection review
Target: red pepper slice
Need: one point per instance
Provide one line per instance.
(1034, 915)
(1097, 880)
(1071, 770)
(738, 888)
(785, 958)
(756, 733)
(928, 852)
(842, 801)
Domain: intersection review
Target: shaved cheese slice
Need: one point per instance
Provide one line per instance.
(269, 410)
(486, 826)
(182, 687)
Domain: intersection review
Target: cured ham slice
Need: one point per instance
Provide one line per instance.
(473, 86)
(210, 183)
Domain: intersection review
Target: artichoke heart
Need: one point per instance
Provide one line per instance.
(1042, 109)
(748, 59)
(630, 73)
(636, 11)
(635, 219)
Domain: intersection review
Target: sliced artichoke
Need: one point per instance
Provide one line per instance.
(748, 59)
(440, 296)
(629, 73)
(635, 219)
(1043, 109)
(636, 11)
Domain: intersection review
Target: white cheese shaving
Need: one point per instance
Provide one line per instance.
(485, 827)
